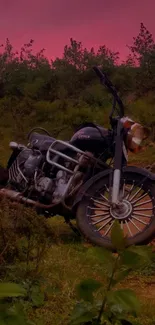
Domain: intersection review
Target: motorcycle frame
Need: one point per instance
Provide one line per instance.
(77, 163)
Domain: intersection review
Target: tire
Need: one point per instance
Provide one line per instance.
(146, 225)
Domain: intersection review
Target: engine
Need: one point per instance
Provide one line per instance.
(47, 179)
(23, 168)
(26, 174)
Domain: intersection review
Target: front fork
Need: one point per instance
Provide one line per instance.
(116, 192)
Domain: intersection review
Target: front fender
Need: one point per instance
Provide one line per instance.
(92, 180)
(142, 171)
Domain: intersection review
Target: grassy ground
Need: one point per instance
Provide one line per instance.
(68, 263)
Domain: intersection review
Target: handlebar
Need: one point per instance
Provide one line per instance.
(106, 82)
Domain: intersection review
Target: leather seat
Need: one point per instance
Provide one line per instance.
(40, 141)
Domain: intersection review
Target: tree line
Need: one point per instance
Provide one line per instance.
(62, 93)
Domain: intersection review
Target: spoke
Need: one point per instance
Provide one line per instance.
(143, 203)
(130, 191)
(123, 189)
(107, 231)
(143, 215)
(107, 189)
(104, 225)
(99, 209)
(100, 202)
(144, 223)
(139, 198)
(98, 215)
(143, 209)
(121, 225)
(128, 228)
(135, 225)
(121, 193)
(134, 195)
(104, 198)
(98, 221)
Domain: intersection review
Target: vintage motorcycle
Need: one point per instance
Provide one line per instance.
(74, 179)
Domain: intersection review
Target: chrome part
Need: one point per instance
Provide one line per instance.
(100, 202)
(66, 145)
(98, 221)
(99, 215)
(104, 224)
(125, 151)
(44, 185)
(18, 197)
(116, 187)
(107, 231)
(122, 211)
(135, 194)
(128, 228)
(130, 214)
(15, 173)
(13, 145)
(60, 154)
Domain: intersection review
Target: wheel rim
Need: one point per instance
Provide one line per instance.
(134, 215)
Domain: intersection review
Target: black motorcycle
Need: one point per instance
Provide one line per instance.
(75, 179)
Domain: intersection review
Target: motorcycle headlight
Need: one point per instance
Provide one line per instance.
(135, 135)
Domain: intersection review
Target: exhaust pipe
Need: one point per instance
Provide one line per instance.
(18, 197)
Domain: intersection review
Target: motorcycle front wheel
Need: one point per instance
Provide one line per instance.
(136, 214)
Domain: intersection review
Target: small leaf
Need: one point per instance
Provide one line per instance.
(13, 315)
(101, 253)
(121, 276)
(117, 237)
(86, 289)
(105, 319)
(37, 296)
(82, 312)
(123, 300)
(144, 252)
(104, 256)
(11, 290)
(135, 257)
(130, 259)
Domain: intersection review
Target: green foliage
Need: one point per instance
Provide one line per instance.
(118, 306)
(65, 92)
(117, 238)
(87, 288)
(12, 311)
(24, 239)
(11, 290)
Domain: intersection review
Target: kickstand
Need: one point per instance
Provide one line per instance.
(76, 231)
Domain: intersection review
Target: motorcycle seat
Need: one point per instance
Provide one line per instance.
(40, 141)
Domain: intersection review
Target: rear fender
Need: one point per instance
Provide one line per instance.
(92, 180)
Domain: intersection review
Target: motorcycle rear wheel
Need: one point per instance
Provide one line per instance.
(95, 216)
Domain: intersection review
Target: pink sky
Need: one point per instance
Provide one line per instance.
(51, 23)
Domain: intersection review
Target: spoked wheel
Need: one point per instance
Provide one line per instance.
(95, 216)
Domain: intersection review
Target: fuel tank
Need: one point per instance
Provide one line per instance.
(94, 139)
